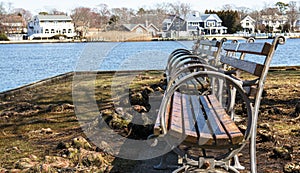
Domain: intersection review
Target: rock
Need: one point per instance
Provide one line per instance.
(73, 153)
(149, 90)
(46, 131)
(139, 108)
(25, 163)
(297, 108)
(68, 106)
(282, 152)
(16, 170)
(291, 168)
(3, 170)
(89, 158)
(33, 157)
(265, 126)
(57, 162)
(61, 145)
(81, 142)
(265, 136)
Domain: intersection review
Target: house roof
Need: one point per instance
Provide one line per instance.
(202, 17)
(210, 16)
(53, 17)
(131, 27)
(248, 18)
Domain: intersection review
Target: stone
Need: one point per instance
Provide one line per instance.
(46, 131)
(61, 145)
(291, 168)
(265, 126)
(282, 152)
(57, 162)
(25, 163)
(139, 108)
(265, 136)
(91, 158)
(81, 142)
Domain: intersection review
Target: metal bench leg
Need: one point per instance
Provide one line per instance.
(163, 163)
(237, 165)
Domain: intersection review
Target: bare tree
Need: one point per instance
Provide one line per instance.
(179, 8)
(228, 7)
(103, 15)
(56, 12)
(292, 13)
(24, 13)
(123, 14)
(81, 17)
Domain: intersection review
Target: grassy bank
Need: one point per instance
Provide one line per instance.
(36, 119)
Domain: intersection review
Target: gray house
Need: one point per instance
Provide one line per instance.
(193, 25)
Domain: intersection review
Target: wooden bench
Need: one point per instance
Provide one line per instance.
(207, 120)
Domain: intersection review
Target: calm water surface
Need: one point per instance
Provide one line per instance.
(21, 64)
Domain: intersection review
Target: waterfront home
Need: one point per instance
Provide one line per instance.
(141, 28)
(13, 26)
(50, 26)
(248, 24)
(274, 21)
(297, 24)
(193, 25)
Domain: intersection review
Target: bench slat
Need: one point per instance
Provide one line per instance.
(253, 48)
(250, 67)
(232, 130)
(176, 124)
(219, 133)
(189, 121)
(205, 135)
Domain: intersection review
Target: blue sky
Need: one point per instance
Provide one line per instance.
(36, 6)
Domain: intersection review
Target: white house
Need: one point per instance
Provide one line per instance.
(47, 26)
(248, 24)
(274, 21)
(193, 24)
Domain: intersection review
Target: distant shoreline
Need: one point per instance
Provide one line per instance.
(218, 37)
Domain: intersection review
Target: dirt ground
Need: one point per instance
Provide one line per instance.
(36, 121)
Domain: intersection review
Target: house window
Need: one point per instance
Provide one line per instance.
(52, 31)
(46, 31)
(210, 24)
(70, 31)
(247, 24)
(64, 31)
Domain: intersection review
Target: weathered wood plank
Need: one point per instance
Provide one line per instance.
(255, 48)
(189, 122)
(176, 120)
(250, 67)
(205, 134)
(232, 130)
(218, 131)
(252, 48)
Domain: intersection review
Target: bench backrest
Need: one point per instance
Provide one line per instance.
(209, 50)
(263, 50)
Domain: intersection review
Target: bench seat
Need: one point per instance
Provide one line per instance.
(201, 120)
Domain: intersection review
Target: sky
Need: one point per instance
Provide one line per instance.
(36, 6)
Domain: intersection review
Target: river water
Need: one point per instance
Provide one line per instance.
(21, 64)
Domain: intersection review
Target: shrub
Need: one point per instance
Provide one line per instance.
(3, 37)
